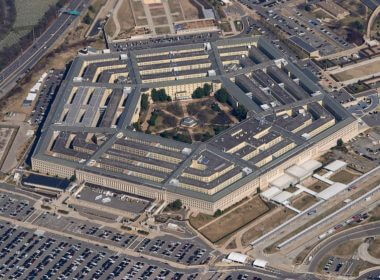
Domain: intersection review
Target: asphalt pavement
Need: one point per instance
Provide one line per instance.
(367, 230)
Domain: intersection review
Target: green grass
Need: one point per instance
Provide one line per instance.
(28, 14)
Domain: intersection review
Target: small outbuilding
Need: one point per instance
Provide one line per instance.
(237, 257)
(260, 263)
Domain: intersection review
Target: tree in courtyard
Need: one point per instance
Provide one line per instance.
(176, 204)
(144, 102)
(221, 95)
(207, 88)
(218, 213)
(339, 142)
(160, 95)
(240, 112)
(198, 93)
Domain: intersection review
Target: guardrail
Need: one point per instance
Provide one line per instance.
(308, 209)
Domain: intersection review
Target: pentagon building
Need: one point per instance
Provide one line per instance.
(89, 134)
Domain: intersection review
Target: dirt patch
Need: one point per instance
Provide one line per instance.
(231, 245)
(162, 30)
(304, 202)
(374, 248)
(357, 72)
(375, 214)
(347, 249)
(125, 16)
(157, 11)
(176, 11)
(271, 221)
(318, 186)
(235, 219)
(139, 13)
(191, 11)
(343, 176)
(160, 20)
(110, 27)
(200, 220)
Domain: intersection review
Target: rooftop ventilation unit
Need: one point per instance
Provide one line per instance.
(174, 182)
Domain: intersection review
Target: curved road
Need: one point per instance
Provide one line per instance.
(371, 20)
(10, 75)
(357, 232)
(374, 273)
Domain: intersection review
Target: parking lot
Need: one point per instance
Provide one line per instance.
(37, 255)
(309, 30)
(164, 41)
(16, 207)
(340, 266)
(46, 96)
(40, 255)
(173, 249)
(166, 247)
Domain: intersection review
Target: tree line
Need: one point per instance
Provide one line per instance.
(9, 54)
(7, 16)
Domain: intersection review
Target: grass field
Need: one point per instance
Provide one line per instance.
(271, 221)
(235, 219)
(125, 17)
(28, 15)
(360, 71)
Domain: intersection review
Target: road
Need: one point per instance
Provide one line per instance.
(371, 229)
(14, 71)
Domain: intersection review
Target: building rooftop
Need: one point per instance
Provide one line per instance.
(90, 125)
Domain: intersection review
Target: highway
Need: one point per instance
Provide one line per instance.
(39, 48)
(367, 230)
